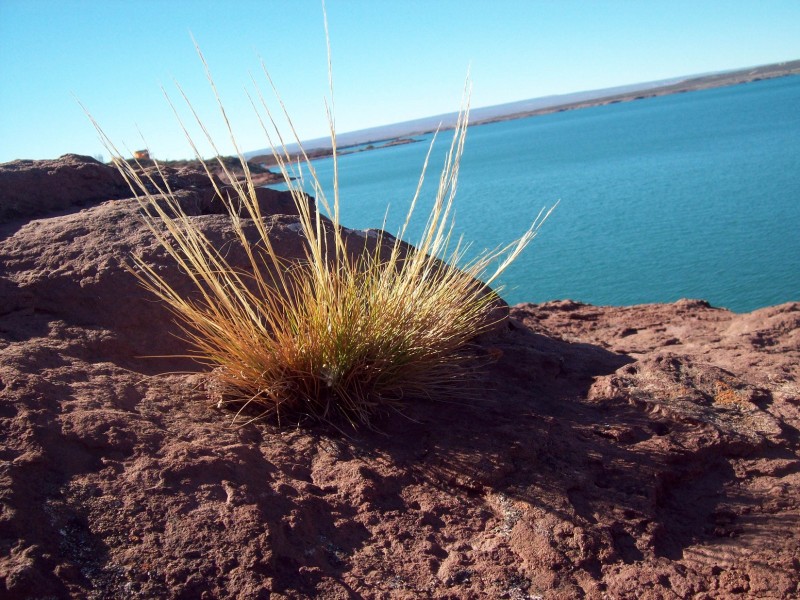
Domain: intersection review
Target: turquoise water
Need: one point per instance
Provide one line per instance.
(693, 195)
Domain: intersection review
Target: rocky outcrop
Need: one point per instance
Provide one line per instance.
(621, 452)
(31, 188)
(35, 188)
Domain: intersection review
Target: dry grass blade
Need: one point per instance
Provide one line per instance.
(342, 334)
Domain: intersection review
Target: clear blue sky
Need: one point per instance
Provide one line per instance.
(392, 61)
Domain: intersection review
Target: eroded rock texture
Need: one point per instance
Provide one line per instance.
(639, 452)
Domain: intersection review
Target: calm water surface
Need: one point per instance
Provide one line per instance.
(694, 195)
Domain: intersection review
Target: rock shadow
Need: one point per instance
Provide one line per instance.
(530, 432)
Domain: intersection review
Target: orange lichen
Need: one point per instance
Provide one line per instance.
(724, 394)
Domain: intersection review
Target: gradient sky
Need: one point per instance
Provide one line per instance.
(392, 61)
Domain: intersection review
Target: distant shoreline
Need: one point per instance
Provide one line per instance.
(267, 160)
(694, 84)
(690, 84)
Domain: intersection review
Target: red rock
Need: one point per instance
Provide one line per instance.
(624, 452)
(32, 188)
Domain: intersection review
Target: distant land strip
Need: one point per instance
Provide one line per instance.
(703, 82)
(402, 133)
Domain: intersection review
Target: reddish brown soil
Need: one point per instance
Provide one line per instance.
(641, 452)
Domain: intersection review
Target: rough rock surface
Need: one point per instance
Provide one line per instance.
(640, 452)
(32, 188)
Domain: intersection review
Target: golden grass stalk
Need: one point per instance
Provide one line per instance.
(346, 332)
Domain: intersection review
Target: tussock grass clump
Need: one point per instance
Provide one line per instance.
(344, 333)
